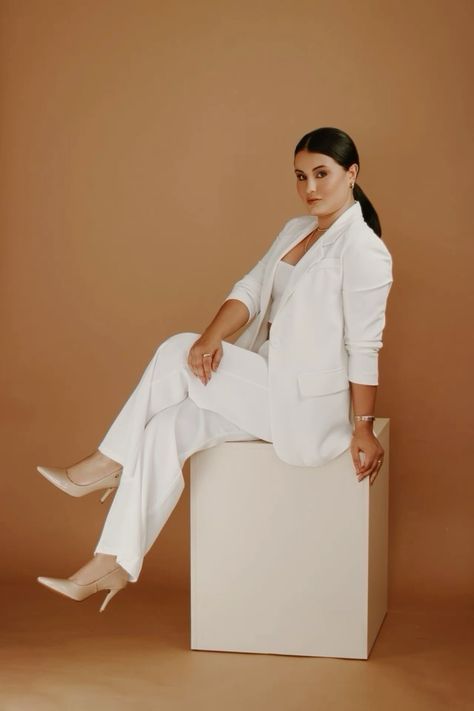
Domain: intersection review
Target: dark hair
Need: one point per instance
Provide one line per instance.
(338, 145)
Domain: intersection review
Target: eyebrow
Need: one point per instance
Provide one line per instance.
(318, 166)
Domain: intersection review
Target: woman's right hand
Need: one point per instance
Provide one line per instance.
(202, 367)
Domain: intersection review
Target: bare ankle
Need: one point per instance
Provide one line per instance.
(99, 565)
(104, 557)
(105, 459)
(93, 467)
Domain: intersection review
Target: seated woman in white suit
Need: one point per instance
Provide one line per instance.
(303, 374)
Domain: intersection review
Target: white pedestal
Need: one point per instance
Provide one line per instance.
(287, 559)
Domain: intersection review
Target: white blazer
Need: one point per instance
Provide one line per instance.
(327, 331)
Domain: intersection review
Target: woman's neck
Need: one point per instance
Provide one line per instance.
(326, 220)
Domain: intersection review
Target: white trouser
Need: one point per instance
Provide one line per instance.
(170, 415)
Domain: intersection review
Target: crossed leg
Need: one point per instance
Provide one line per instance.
(170, 415)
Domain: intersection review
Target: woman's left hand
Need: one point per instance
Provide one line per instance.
(365, 441)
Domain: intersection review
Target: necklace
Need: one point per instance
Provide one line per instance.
(311, 234)
(322, 229)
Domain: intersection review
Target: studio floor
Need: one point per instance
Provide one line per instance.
(65, 655)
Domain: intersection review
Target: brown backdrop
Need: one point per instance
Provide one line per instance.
(147, 163)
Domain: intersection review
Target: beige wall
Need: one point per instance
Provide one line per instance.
(147, 163)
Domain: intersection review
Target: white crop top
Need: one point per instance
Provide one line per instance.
(282, 275)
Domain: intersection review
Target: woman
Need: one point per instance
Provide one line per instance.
(302, 375)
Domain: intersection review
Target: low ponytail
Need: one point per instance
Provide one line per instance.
(368, 211)
(340, 147)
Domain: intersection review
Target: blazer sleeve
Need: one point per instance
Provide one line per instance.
(249, 287)
(367, 280)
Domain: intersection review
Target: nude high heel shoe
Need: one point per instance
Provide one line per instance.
(60, 478)
(113, 581)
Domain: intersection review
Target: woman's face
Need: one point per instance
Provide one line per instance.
(322, 184)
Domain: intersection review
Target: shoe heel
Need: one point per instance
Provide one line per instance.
(104, 496)
(109, 597)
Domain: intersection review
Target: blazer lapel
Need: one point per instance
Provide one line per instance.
(312, 256)
(295, 236)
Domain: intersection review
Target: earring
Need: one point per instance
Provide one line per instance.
(351, 185)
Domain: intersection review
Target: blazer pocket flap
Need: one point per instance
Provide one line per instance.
(322, 382)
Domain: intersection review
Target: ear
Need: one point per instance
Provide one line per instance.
(353, 171)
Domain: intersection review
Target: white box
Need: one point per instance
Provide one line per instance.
(287, 559)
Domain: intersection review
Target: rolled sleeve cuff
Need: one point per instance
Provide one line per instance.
(242, 295)
(363, 368)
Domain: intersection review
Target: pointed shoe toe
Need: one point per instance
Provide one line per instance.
(55, 475)
(60, 585)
